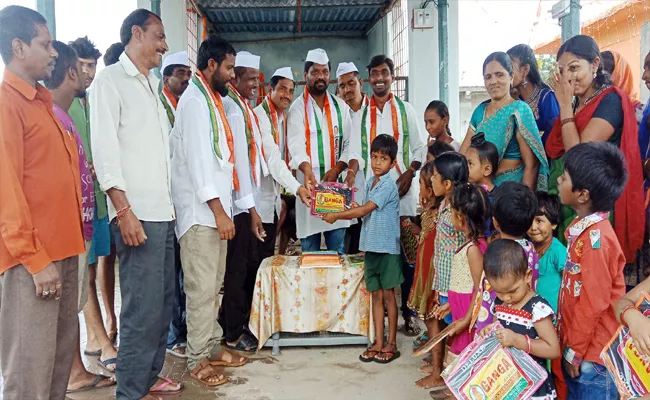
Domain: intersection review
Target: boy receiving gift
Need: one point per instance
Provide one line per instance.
(380, 241)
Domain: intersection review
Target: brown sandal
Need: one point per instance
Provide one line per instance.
(204, 371)
(232, 364)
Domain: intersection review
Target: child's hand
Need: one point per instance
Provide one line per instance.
(458, 326)
(442, 311)
(485, 332)
(330, 218)
(415, 229)
(354, 204)
(640, 331)
(506, 337)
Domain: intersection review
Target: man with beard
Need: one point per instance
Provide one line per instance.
(98, 342)
(67, 84)
(176, 72)
(203, 176)
(349, 87)
(40, 217)
(319, 144)
(130, 146)
(273, 127)
(387, 114)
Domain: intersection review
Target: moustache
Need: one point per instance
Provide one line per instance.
(321, 81)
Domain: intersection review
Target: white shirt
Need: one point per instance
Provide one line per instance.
(269, 201)
(417, 151)
(130, 140)
(248, 194)
(306, 224)
(197, 174)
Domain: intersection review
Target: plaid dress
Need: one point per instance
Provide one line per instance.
(446, 243)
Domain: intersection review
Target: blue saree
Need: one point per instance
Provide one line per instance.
(501, 128)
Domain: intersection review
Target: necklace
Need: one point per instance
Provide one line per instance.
(590, 98)
(534, 96)
(544, 248)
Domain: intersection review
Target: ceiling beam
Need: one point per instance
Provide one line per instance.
(267, 8)
(303, 22)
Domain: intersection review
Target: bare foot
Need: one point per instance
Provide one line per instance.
(427, 369)
(430, 381)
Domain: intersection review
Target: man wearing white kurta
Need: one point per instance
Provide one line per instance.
(273, 127)
(203, 178)
(320, 148)
(349, 88)
(387, 114)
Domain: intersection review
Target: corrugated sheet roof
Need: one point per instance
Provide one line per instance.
(281, 16)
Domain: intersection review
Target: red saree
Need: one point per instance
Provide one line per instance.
(628, 209)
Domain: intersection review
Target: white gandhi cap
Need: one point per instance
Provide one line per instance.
(284, 73)
(345, 68)
(180, 58)
(317, 56)
(248, 60)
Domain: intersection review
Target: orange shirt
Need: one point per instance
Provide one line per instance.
(40, 188)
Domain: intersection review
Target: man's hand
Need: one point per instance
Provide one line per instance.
(48, 283)
(305, 196)
(572, 370)
(404, 182)
(330, 218)
(256, 225)
(331, 176)
(310, 179)
(225, 226)
(132, 230)
(350, 178)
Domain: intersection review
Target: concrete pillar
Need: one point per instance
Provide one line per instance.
(443, 48)
(46, 8)
(155, 7)
(453, 76)
(645, 49)
(424, 82)
(571, 22)
(174, 19)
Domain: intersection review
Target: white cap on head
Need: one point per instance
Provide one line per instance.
(284, 73)
(317, 56)
(180, 58)
(345, 68)
(248, 60)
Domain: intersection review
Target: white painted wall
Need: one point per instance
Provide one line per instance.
(455, 123)
(175, 22)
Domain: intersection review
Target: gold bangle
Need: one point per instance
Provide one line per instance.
(567, 120)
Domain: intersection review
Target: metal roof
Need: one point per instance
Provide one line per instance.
(294, 17)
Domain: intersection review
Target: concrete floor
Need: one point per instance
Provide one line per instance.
(297, 374)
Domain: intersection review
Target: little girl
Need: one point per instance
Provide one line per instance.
(450, 170)
(470, 209)
(526, 318)
(483, 161)
(436, 119)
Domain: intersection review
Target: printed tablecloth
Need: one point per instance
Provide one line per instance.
(289, 298)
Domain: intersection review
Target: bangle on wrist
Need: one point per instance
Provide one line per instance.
(622, 314)
(527, 343)
(350, 170)
(121, 213)
(567, 120)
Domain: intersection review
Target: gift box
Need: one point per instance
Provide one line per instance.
(330, 197)
(629, 369)
(488, 371)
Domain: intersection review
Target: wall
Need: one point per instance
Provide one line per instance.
(456, 112)
(175, 20)
(378, 38)
(468, 98)
(292, 52)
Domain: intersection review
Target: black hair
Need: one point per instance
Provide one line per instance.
(486, 150)
(586, 48)
(452, 167)
(514, 208)
(17, 22)
(85, 48)
(67, 59)
(113, 53)
(549, 206)
(441, 109)
(505, 258)
(214, 48)
(607, 58)
(376, 61)
(438, 147)
(139, 17)
(500, 57)
(384, 144)
(276, 79)
(308, 65)
(598, 167)
(472, 201)
(169, 70)
(426, 172)
(526, 56)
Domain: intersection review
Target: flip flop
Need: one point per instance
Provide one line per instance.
(420, 340)
(230, 364)
(104, 364)
(175, 353)
(166, 382)
(95, 353)
(246, 344)
(196, 374)
(368, 355)
(393, 356)
(93, 384)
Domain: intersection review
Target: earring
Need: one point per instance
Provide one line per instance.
(525, 82)
(595, 73)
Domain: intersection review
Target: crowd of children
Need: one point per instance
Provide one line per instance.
(559, 305)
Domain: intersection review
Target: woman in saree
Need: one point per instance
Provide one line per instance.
(510, 125)
(530, 88)
(592, 110)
